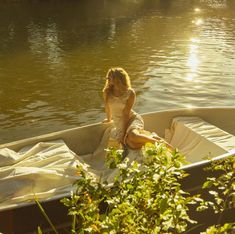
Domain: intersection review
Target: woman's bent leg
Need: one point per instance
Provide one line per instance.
(136, 140)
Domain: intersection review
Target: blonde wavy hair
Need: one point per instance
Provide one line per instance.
(120, 75)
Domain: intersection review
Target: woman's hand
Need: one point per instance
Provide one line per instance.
(107, 121)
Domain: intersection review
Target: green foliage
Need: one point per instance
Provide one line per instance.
(84, 204)
(145, 197)
(227, 228)
(222, 192)
(114, 157)
(222, 187)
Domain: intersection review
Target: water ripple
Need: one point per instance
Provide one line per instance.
(53, 62)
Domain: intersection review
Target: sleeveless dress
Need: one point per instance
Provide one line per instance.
(117, 104)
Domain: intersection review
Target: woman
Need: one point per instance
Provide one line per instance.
(119, 98)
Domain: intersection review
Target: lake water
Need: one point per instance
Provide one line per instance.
(54, 56)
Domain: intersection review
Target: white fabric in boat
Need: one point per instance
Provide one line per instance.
(48, 169)
(44, 169)
(198, 139)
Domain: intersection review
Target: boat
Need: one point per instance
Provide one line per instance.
(25, 217)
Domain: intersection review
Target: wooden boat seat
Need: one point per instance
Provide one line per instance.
(198, 139)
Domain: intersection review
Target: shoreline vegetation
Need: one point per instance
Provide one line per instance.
(147, 197)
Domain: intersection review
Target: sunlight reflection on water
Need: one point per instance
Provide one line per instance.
(53, 59)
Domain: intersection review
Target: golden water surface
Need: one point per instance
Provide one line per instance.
(54, 56)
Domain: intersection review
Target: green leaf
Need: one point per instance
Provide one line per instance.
(207, 184)
(163, 205)
(39, 230)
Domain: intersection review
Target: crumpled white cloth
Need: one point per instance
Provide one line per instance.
(42, 170)
(49, 169)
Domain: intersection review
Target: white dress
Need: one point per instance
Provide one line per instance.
(117, 105)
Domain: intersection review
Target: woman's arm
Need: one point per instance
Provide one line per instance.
(127, 110)
(107, 108)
